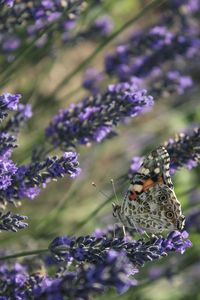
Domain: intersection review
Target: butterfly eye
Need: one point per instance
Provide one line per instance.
(169, 214)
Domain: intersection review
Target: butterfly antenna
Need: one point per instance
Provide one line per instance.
(114, 190)
(100, 192)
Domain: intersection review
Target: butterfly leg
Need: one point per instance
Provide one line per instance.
(124, 231)
(114, 233)
(146, 234)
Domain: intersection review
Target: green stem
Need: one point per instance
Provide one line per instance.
(24, 253)
(84, 63)
(91, 215)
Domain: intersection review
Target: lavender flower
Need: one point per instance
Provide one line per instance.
(15, 282)
(93, 119)
(12, 222)
(91, 249)
(9, 3)
(146, 51)
(22, 22)
(7, 144)
(102, 26)
(19, 119)
(170, 83)
(185, 7)
(79, 284)
(8, 102)
(93, 279)
(28, 179)
(7, 170)
(184, 150)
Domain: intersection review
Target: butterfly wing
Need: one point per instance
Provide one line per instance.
(146, 193)
(156, 167)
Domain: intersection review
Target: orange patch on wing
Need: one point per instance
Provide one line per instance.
(147, 184)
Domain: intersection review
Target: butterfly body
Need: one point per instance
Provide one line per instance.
(150, 203)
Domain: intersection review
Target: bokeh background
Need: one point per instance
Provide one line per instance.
(76, 206)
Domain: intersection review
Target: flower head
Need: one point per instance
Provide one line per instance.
(27, 180)
(8, 102)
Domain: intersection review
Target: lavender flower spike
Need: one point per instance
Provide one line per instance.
(184, 150)
(18, 282)
(8, 102)
(28, 179)
(93, 119)
(91, 249)
(12, 222)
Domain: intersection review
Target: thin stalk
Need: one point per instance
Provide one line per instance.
(91, 215)
(24, 253)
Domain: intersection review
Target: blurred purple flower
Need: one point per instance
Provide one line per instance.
(22, 23)
(147, 50)
(102, 27)
(92, 81)
(193, 220)
(82, 283)
(10, 43)
(135, 165)
(9, 3)
(170, 83)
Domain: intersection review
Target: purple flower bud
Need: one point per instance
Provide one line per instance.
(7, 170)
(12, 222)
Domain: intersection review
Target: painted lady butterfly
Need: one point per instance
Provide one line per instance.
(150, 203)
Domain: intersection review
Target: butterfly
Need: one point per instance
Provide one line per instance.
(150, 203)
